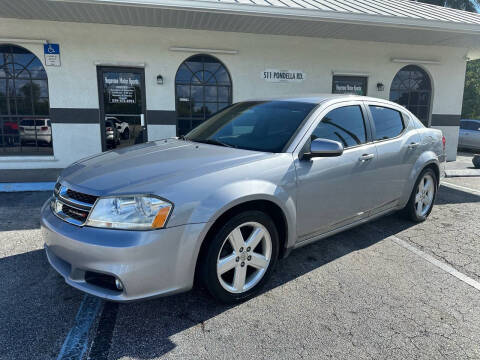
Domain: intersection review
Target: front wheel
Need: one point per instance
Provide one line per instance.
(240, 257)
(422, 198)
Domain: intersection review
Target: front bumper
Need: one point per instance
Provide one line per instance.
(148, 263)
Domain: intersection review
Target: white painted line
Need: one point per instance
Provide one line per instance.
(75, 344)
(28, 186)
(437, 263)
(459, 187)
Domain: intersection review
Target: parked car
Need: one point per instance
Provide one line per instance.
(469, 135)
(111, 134)
(9, 133)
(122, 127)
(35, 130)
(243, 189)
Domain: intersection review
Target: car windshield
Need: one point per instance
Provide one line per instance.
(254, 125)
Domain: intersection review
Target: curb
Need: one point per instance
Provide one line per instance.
(27, 186)
(462, 173)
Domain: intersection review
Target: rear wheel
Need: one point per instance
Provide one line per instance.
(422, 198)
(241, 256)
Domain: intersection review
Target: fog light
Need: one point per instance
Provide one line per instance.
(118, 284)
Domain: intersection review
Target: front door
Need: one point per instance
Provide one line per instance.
(122, 106)
(336, 191)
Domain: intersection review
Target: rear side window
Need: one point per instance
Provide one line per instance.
(470, 125)
(388, 122)
(345, 125)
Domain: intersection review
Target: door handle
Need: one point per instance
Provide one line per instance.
(413, 145)
(366, 157)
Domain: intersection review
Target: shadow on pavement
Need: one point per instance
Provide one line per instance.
(37, 309)
(21, 210)
(155, 322)
(455, 196)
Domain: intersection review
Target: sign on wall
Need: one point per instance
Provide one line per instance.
(121, 89)
(356, 85)
(273, 75)
(52, 54)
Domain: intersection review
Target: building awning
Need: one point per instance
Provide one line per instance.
(397, 21)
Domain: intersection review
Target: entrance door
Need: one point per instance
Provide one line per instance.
(122, 106)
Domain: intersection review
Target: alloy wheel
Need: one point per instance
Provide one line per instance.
(424, 195)
(244, 257)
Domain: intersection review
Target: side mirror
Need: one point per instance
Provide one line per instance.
(324, 148)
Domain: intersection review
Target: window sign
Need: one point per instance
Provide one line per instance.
(52, 54)
(121, 89)
(272, 75)
(356, 85)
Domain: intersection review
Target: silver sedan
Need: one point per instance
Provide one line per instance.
(469, 135)
(225, 202)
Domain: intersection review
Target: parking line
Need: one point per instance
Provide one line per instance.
(441, 265)
(459, 187)
(75, 344)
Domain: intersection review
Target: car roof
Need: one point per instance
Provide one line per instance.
(321, 98)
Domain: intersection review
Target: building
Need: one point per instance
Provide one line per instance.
(80, 76)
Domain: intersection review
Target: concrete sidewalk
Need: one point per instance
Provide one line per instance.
(462, 167)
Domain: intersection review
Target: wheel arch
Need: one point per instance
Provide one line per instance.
(269, 207)
(426, 160)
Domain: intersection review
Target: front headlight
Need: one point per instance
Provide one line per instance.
(134, 212)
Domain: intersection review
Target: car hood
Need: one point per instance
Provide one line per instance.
(148, 166)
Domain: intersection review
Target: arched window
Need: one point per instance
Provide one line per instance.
(25, 127)
(202, 88)
(412, 88)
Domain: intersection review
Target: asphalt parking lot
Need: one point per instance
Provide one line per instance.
(382, 290)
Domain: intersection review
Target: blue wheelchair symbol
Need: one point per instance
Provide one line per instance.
(51, 49)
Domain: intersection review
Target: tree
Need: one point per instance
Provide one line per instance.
(471, 96)
(468, 5)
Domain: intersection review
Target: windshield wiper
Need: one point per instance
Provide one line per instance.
(214, 142)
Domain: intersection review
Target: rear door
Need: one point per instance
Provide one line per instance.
(398, 147)
(336, 191)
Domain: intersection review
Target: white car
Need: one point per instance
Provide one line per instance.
(122, 127)
(36, 130)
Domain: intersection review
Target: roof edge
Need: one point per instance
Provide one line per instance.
(290, 13)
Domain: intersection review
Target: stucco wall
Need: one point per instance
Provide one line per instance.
(74, 84)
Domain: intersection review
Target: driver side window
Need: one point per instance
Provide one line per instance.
(345, 125)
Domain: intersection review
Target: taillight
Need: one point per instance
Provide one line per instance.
(109, 129)
(444, 142)
(44, 128)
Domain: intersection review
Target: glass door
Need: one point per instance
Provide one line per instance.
(122, 107)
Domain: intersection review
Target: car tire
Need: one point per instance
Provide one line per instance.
(423, 195)
(476, 161)
(233, 271)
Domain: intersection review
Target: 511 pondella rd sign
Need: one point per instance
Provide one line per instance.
(273, 75)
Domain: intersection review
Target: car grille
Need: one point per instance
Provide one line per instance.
(72, 206)
(89, 199)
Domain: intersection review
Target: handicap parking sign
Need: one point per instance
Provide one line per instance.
(52, 54)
